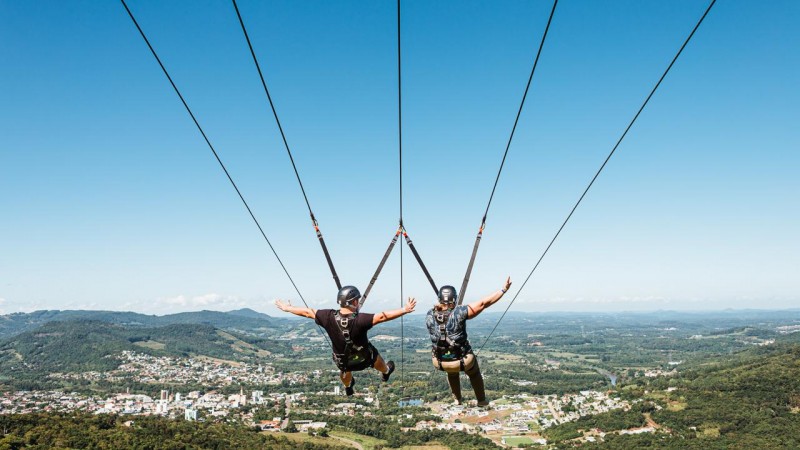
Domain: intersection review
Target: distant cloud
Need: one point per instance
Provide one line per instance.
(2, 301)
(206, 301)
(621, 303)
(602, 300)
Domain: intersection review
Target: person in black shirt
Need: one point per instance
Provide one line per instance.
(347, 328)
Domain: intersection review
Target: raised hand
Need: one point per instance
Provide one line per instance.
(507, 285)
(410, 305)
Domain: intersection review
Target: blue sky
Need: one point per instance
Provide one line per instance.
(110, 199)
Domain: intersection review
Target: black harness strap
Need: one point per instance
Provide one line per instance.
(463, 291)
(505, 154)
(355, 357)
(380, 265)
(325, 251)
(445, 344)
(419, 260)
(344, 327)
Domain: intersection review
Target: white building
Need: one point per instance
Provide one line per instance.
(190, 414)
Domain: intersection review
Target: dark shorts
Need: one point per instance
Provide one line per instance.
(371, 355)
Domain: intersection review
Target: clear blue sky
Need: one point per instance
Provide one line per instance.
(110, 199)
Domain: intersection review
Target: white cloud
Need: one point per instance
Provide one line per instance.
(211, 301)
(622, 303)
(2, 301)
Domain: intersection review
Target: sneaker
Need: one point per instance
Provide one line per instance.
(483, 403)
(349, 389)
(386, 376)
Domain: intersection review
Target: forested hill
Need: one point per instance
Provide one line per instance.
(46, 431)
(87, 345)
(749, 402)
(242, 319)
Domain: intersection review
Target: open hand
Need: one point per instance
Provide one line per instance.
(283, 306)
(507, 285)
(409, 307)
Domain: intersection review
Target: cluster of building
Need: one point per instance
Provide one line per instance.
(515, 414)
(26, 402)
(207, 372)
(513, 417)
(788, 329)
(191, 406)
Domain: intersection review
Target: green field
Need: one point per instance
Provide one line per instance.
(369, 443)
(305, 437)
(517, 440)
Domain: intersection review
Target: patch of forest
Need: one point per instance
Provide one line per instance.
(46, 431)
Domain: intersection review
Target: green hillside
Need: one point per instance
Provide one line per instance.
(750, 402)
(85, 345)
(244, 320)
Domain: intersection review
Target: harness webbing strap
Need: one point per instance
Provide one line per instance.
(463, 291)
(444, 343)
(380, 265)
(419, 260)
(344, 327)
(325, 251)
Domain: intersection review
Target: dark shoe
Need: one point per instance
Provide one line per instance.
(349, 389)
(386, 376)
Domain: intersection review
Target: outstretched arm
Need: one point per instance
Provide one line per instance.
(478, 307)
(296, 310)
(395, 313)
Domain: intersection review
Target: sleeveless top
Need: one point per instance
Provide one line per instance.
(455, 327)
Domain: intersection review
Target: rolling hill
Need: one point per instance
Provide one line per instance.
(748, 401)
(243, 320)
(91, 345)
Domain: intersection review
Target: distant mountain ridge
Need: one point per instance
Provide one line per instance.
(245, 320)
(253, 322)
(80, 345)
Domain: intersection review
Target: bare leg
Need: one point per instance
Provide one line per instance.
(346, 377)
(380, 365)
(454, 380)
(476, 379)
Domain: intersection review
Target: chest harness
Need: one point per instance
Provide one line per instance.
(445, 348)
(355, 357)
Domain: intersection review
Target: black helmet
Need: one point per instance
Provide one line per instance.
(448, 295)
(348, 295)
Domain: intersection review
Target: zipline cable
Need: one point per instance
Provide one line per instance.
(219, 160)
(462, 292)
(602, 166)
(288, 151)
(414, 251)
(400, 164)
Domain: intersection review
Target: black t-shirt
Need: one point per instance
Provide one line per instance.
(326, 318)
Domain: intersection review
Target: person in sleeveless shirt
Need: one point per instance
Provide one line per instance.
(347, 328)
(452, 352)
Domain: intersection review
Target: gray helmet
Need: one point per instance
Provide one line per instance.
(348, 296)
(448, 295)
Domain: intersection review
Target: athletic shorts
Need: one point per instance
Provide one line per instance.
(362, 365)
